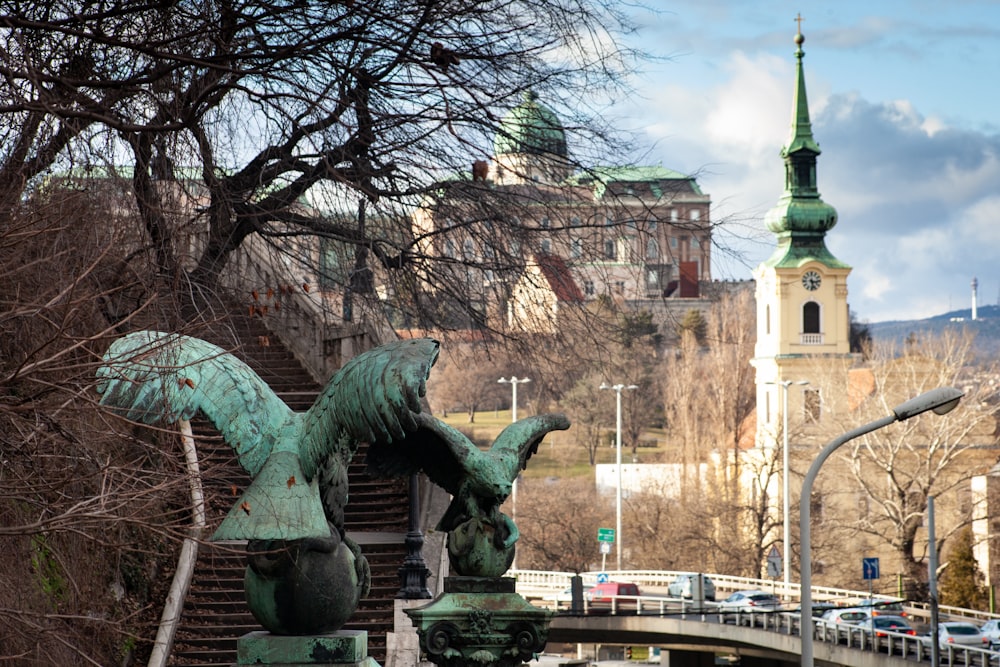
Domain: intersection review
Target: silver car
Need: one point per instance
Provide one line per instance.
(748, 602)
(961, 633)
(686, 583)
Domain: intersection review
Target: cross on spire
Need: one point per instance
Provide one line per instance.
(798, 19)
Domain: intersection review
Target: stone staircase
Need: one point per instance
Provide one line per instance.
(215, 613)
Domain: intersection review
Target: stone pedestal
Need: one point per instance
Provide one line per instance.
(344, 648)
(480, 621)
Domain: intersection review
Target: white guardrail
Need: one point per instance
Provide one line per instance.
(550, 587)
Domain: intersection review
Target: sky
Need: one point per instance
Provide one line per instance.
(905, 103)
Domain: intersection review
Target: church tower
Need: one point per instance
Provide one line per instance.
(802, 313)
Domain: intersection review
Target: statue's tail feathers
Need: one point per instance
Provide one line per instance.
(278, 505)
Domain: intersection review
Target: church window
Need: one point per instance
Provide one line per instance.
(695, 214)
(812, 406)
(652, 249)
(576, 249)
(469, 251)
(588, 288)
(673, 242)
(652, 279)
(609, 249)
(575, 221)
(449, 249)
(546, 246)
(674, 215)
(810, 318)
(544, 224)
(652, 225)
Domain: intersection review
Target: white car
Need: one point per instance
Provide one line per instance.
(991, 630)
(686, 583)
(566, 595)
(961, 633)
(845, 616)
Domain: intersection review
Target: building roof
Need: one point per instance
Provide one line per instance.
(558, 277)
(656, 179)
(531, 127)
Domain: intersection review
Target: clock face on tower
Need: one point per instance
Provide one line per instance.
(811, 280)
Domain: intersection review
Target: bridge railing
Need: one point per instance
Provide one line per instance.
(857, 637)
(538, 583)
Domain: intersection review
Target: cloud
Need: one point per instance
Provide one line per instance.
(917, 197)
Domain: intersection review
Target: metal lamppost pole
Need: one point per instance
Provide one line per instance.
(513, 381)
(941, 401)
(618, 459)
(786, 538)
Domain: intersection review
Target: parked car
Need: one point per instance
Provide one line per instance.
(991, 630)
(749, 602)
(686, 583)
(961, 633)
(881, 625)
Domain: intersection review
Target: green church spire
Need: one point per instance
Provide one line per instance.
(801, 218)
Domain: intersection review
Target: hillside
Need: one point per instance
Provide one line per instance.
(986, 327)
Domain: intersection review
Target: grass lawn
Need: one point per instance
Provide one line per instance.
(560, 454)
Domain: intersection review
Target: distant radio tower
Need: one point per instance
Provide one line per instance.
(975, 290)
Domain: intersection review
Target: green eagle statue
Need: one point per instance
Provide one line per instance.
(304, 574)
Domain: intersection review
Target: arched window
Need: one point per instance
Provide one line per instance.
(810, 318)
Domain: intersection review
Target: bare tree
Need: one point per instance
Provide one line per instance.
(91, 510)
(558, 521)
(465, 378)
(893, 470)
(248, 110)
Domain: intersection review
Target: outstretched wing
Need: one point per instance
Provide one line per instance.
(373, 398)
(516, 443)
(443, 453)
(150, 376)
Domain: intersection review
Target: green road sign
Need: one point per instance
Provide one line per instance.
(605, 534)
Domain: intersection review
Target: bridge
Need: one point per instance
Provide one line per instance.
(692, 633)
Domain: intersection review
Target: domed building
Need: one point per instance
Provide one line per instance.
(570, 234)
(530, 146)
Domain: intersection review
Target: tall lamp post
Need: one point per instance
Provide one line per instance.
(941, 400)
(618, 459)
(786, 538)
(513, 381)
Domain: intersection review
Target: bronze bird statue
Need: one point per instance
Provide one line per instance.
(298, 461)
(480, 538)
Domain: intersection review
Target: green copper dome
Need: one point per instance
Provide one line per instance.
(801, 218)
(531, 128)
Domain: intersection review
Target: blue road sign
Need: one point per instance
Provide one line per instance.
(869, 568)
(602, 578)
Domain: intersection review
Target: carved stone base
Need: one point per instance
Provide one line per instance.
(480, 622)
(344, 648)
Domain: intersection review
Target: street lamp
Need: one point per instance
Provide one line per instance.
(941, 400)
(513, 381)
(786, 538)
(618, 458)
